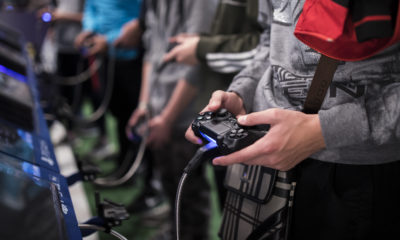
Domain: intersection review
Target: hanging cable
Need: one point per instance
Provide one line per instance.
(114, 233)
(81, 77)
(101, 110)
(110, 182)
(204, 153)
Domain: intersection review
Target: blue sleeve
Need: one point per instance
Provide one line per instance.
(89, 12)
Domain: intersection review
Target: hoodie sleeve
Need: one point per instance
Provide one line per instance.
(245, 83)
(227, 53)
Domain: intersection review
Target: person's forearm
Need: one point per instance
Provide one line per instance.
(182, 95)
(66, 16)
(144, 90)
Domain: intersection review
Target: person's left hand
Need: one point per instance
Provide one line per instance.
(185, 52)
(159, 132)
(98, 44)
(293, 137)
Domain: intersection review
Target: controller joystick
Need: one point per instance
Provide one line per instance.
(222, 128)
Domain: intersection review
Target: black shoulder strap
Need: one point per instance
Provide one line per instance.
(319, 86)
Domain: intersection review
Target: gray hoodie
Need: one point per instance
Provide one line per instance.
(360, 116)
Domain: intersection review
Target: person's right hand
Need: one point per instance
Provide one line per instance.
(81, 38)
(133, 120)
(219, 99)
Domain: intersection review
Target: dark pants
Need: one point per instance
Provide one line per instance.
(125, 95)
(340, 202)
(195, 202)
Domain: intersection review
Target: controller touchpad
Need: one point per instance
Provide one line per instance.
(219, 129)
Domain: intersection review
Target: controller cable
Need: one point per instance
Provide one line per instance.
(103, 229)
(204, 153)
(111, 182)
(67, 110)
(81, 77)
(101, 110)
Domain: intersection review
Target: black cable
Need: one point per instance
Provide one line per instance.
(81, 77)
(103, 229)
(101, 110)
(178, 203)
(204, 153)
(110, 182)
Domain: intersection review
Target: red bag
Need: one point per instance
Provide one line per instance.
(330, 28)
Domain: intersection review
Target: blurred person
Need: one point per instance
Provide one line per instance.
(59, 57)
(222, 53)
(65, 19)
(151, 202)
(103, 24)
(168, 95)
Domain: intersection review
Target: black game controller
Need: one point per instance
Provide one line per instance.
(222, 128)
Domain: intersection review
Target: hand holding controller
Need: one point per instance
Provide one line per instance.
(141, 129)
(222, 128)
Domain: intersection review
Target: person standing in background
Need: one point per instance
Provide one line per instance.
(169, 96)
(103, 24)
(223, 52)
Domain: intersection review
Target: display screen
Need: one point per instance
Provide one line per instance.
(29, 207)
(16, 142)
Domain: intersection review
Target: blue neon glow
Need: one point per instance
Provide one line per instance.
(211, 145)
(13, 74)
(46, 17)
(208, 138)
(31, 169)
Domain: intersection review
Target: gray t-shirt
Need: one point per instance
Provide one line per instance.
(163, 21)
(360, 116)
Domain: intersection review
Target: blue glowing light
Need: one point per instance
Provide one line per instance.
(13, 74)
(31, 169)
(46, 17)
(208, 138)
(211, 145)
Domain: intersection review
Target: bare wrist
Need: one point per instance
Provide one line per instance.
(143, 105)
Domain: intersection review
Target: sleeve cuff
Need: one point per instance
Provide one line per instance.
(204, 46)
(245, 88)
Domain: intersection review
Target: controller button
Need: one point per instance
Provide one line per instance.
(209, 113)
(233, 131)
(222, 112)
(200, 118)
(241, 130)
(201, 114)
(232, 135)
(236, 126)
(208, 117)
(239, 135)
